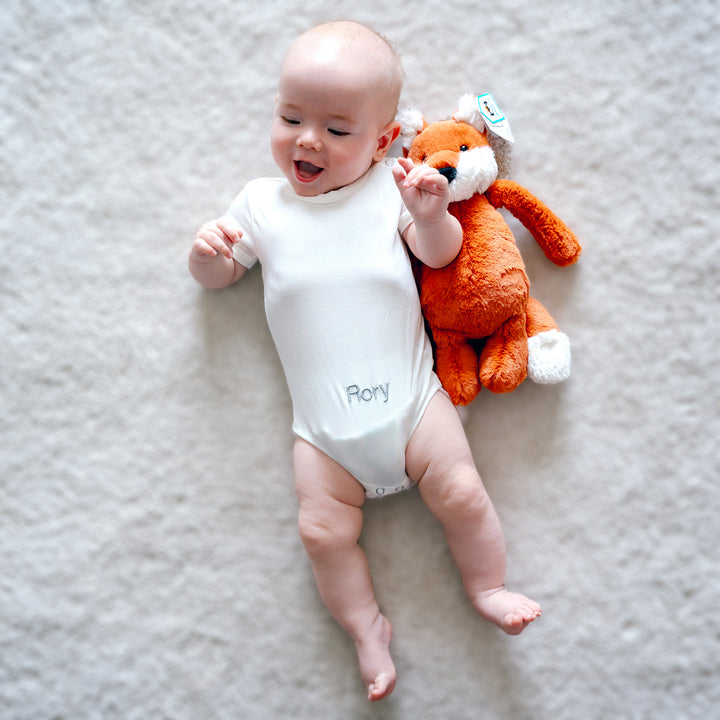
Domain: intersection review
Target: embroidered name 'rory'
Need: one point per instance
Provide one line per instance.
(376, 393)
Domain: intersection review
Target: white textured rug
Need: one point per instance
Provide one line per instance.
(149, 562)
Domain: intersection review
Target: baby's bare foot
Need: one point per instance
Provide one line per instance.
(511, 612)
(376, 665)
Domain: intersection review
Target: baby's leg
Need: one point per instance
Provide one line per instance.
(439, 459)
(330, 521)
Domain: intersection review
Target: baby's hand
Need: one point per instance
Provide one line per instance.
(217, 236)
(423, 189)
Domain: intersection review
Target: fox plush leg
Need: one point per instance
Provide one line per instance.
(456, 363)
(503, 361)
(548, 348)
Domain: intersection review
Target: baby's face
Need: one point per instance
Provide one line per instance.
(328, 122)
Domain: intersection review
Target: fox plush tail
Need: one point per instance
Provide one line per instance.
(548, 348)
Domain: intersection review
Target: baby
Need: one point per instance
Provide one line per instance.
(369, 415)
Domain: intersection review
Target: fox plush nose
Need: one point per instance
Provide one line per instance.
(448, 172)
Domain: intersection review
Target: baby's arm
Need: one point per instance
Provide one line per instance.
(434, 236)
(211, 258)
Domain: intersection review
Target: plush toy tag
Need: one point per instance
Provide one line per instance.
(494, 119)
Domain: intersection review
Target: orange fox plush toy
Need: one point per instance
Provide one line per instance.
(484, 293)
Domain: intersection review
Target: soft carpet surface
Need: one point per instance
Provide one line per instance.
(150, 565)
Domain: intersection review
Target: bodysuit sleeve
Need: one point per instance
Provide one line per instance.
(245, 251)
(405, 219)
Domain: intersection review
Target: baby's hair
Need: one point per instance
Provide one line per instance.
(349, 31)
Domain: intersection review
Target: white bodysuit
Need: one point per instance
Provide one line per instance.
(343, 310)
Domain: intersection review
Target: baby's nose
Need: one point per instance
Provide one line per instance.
(309, 137)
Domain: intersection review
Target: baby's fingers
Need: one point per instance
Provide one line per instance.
(229, 226)
(398, 174)
(401, 170)
(406, 163)
(217, 237)
(203, 247)
(210, 242)
(427, 179)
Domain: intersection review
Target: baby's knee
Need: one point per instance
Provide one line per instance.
(461, 495)
(322, 532)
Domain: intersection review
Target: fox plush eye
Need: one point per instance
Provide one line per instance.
(463, 148)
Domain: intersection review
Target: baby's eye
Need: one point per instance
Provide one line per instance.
(290, 121)
(338, 133)
(463, 148)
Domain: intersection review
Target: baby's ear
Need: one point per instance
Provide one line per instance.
(387, 137)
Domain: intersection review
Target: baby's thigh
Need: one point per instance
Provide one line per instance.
(319, 480)
(330, 500)
(438, 449)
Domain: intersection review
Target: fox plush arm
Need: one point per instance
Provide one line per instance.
(554, 237)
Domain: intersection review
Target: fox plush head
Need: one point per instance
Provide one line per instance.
(485, 327)
(469, 156)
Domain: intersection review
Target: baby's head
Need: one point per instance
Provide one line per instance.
(334, 116)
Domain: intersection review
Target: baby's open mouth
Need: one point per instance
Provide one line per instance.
(306, 171)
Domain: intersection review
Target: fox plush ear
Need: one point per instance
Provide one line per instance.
(469, 112)
(412, 124)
